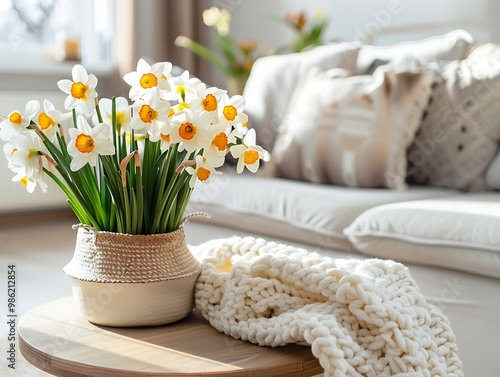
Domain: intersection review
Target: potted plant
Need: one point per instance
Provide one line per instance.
(128, 170)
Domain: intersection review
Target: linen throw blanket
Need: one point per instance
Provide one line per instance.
(360, 317)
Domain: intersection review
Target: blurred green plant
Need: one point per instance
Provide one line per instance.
(308, 32)
(234, 59)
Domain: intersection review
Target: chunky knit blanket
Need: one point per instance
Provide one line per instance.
(360, 317)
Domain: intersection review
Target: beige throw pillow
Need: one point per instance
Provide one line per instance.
(351, 131)
(459, 135)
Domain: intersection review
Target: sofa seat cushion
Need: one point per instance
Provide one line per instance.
(459, 232)
(308, 213)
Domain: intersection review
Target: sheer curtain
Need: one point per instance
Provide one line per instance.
(147, 29)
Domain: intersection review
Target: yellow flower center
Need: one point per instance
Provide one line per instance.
(45, 121)
(203, 174)
(14, 150)
(209, 103)
(220, 141)
(79, 90)
(24, 181)
(33, 153)
(16, 118)
(230, 112)
(181, 89)
(245, 124)
(171, 112)
(183, 105)
(165, 137)
(250, 156)
(148, 80)
(187, 131)
(84, 143)
(147, 114)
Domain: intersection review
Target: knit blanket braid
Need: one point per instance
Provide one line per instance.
(360, 317)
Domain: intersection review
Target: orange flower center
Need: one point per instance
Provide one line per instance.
(148, 80)
(165, 137)
(203, 174)
(187, 131)
(171, 112)
(79, 90)
(147, 114)
(84, 143)
(220, 141)
(45, 121)
(230, 112)
(16, 118)
(209, 103)
(250, 156)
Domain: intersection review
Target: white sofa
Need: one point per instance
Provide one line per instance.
(445, 230)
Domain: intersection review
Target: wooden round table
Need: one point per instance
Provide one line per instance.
(54, 338)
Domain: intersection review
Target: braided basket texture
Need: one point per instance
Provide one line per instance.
(132, 280)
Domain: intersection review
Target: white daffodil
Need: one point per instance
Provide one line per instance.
(231, 110)
(150, 114)
(249, 154)
(122, 113)
(183, 88)
(207, 102)
(146, 78)
(88, 143)
(215, 154)
(202, 171)
(26, 154)
(81, 91)
(48, 120)
(30, 182)
(219, 18)
(16, 122)
(189, 130)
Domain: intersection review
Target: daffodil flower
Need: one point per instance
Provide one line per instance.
(189, 131)
(16, 122)
(48, 120)
(249, 154)
(81, 91)
(88, 143)
(216, 152)
(183, 88)
(202, 171)
(122, 113)
(25, 154)
(30, 182)
(150, 114)
(207, 102)
(146, 78)
(231, 110)
(220, 18)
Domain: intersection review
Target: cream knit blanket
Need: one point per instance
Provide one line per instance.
(360, 317)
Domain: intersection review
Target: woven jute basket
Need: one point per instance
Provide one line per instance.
(126, 280)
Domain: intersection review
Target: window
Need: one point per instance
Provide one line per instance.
(35, 34)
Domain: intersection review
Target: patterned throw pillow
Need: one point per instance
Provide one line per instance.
(351, 131)
(460, 129)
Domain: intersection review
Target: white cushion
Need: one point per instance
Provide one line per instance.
(459, 232)
(351, 131)
(273, 79)
(459, 135)
(304, 212)
(451, 46)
